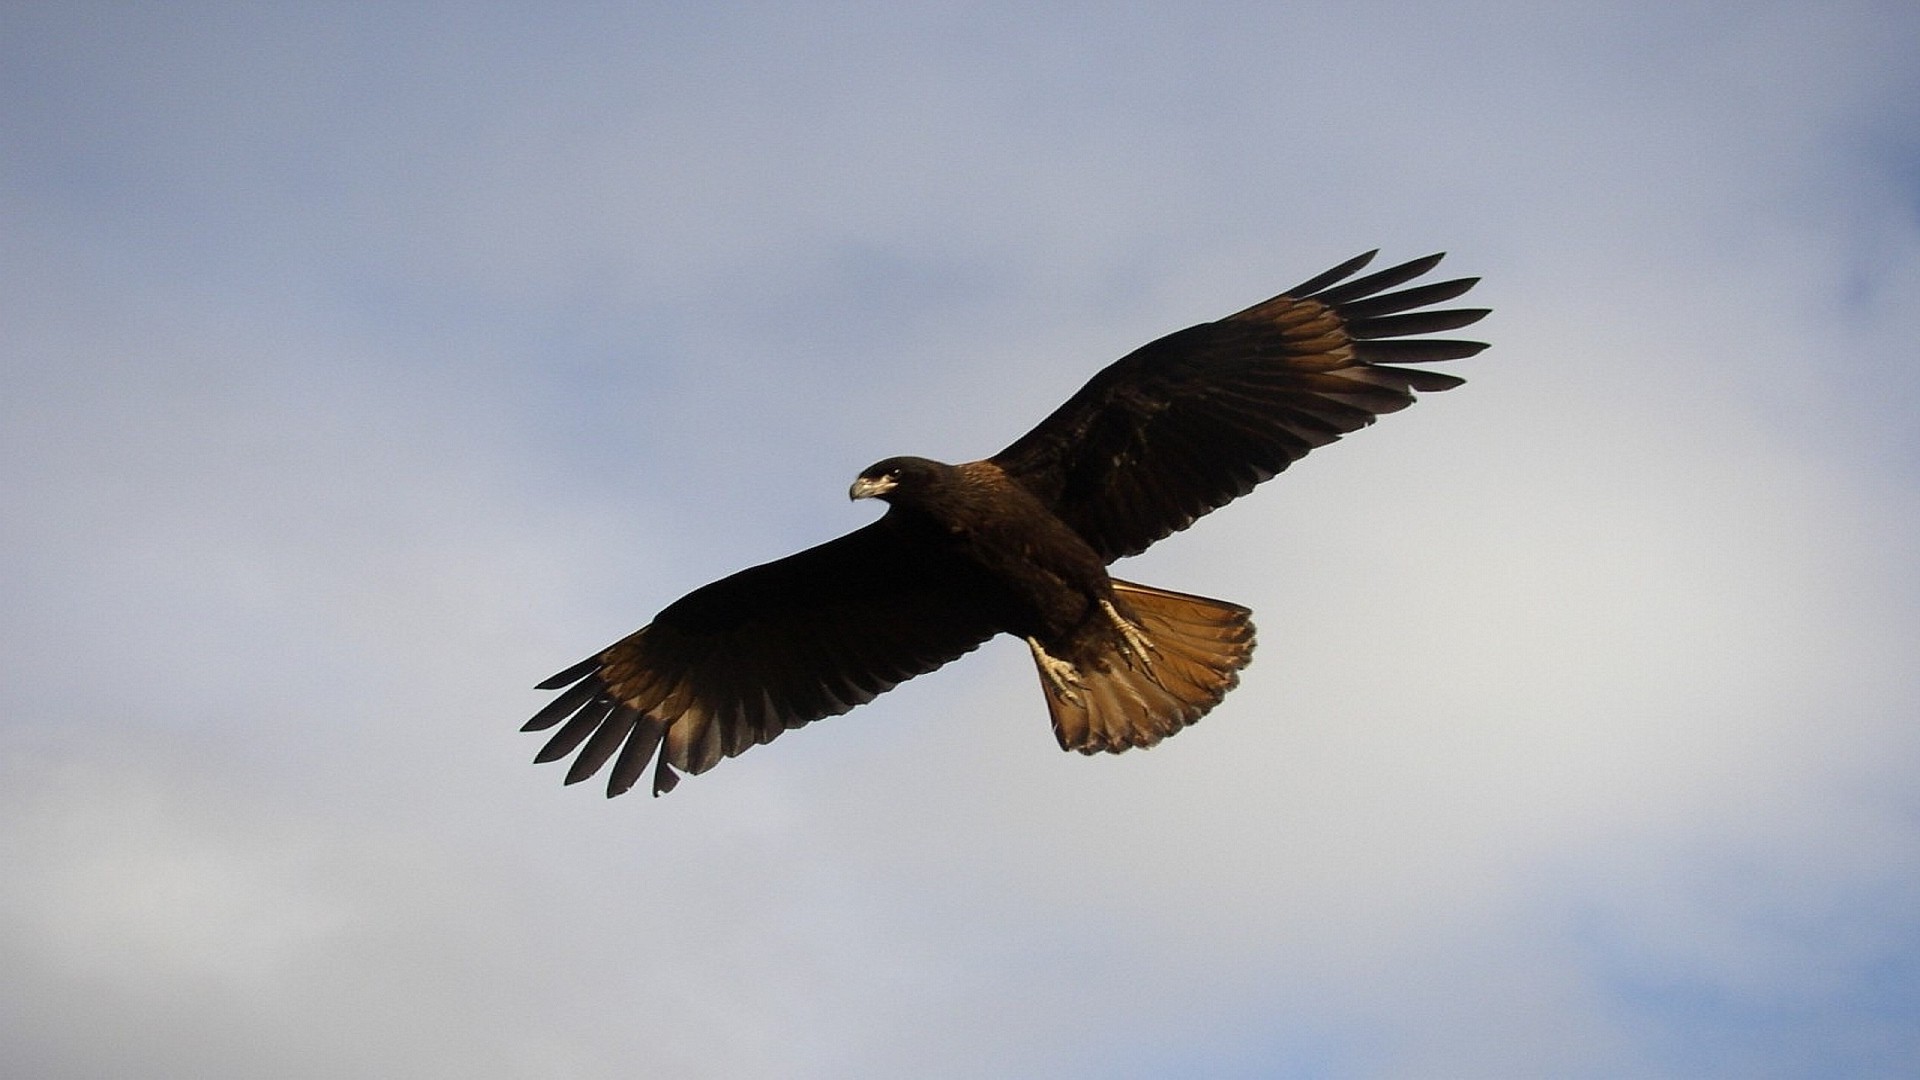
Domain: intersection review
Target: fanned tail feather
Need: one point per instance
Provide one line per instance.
(1195, 650)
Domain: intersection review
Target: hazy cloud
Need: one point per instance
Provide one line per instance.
(366, 367)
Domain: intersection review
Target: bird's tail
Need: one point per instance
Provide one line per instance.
(1187, 653)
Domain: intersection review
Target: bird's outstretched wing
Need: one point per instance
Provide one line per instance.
(1194, 420)
(735, 663)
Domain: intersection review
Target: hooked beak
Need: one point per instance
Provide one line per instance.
(870, 487)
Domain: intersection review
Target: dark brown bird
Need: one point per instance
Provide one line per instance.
(1019, 543)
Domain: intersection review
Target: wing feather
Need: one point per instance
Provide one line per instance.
(639, 748)
(1377, 282)
(735, 663)
(1196, 419)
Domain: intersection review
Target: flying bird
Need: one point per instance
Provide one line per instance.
(1019, 543)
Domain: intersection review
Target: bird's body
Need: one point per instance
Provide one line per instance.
(1051, 577)
(1019, 543)
(1122, 664)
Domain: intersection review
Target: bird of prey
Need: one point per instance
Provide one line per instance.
(1019, 543)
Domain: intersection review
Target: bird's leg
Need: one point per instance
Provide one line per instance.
(1060, 674)
(1135, 645)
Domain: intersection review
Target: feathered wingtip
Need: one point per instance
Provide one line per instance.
(1382, 323)
(599, 727)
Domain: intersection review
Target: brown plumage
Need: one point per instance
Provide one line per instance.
(1019, 543)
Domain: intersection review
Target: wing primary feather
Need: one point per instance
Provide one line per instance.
(634, 757)
(1427, 382)
(1418, 322)
(1378, 280)
(577, 729)
(572, 675)
(664, 778)
(1327, 277)
(1417, 351)
(561, 707)
(1407, 299)
(611, 733)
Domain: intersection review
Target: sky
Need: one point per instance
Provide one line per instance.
(366, 364)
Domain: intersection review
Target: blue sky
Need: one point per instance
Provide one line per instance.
(366, 366)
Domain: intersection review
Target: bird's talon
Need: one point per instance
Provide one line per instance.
(1139, 649)
(1061, 675)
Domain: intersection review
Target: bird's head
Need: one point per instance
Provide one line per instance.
(897, 476)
